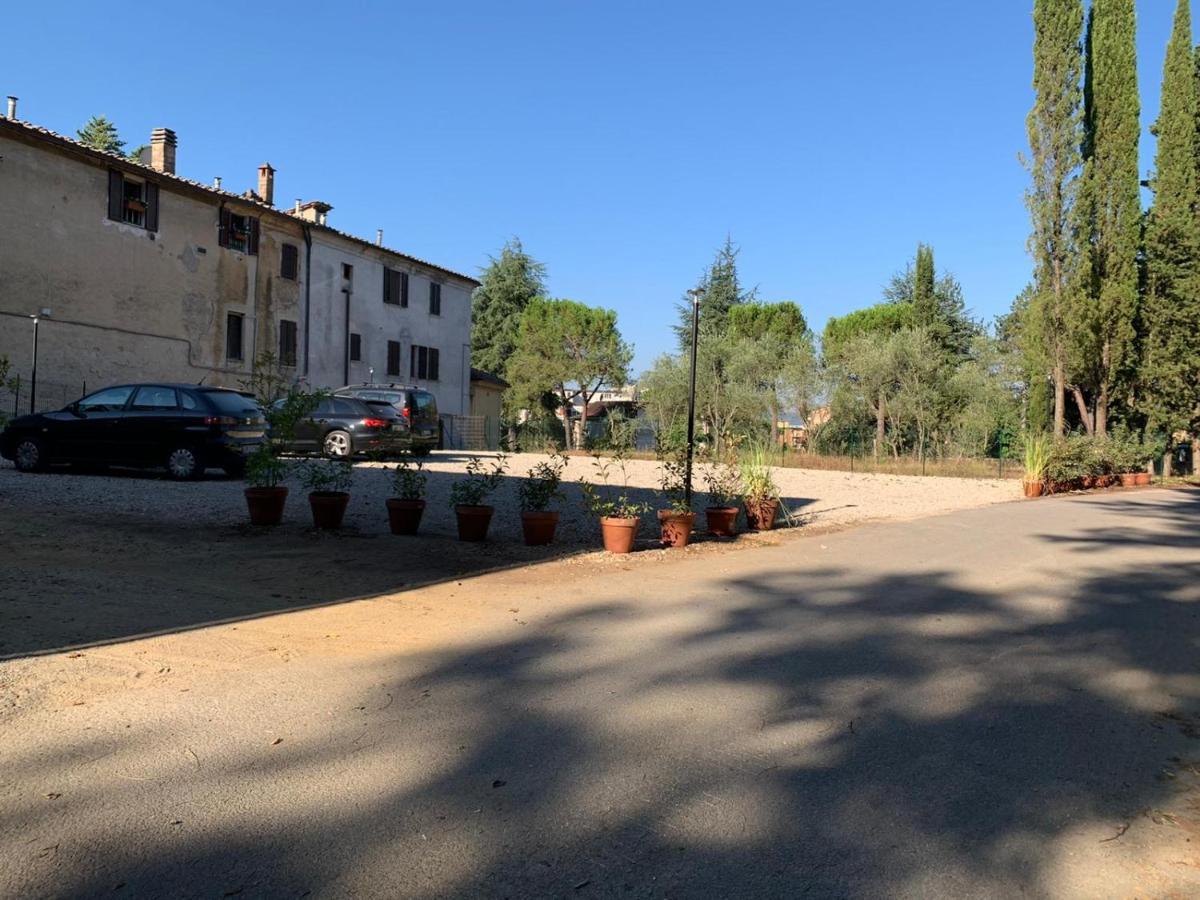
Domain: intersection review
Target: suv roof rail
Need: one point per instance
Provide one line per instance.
(383, 385)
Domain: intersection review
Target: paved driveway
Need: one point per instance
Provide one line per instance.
(998, 702)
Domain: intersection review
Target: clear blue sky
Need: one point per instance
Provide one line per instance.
(621, 141)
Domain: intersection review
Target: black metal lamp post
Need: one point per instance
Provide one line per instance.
(695, 294)
(37, 317)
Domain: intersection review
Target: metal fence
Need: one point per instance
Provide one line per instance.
(15, 397)
(470, 433)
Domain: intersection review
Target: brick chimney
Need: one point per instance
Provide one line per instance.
(314, 211)
(266, 184)
(162, 150)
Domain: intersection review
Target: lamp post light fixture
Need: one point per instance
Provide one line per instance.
(695, 294)
(37, 317)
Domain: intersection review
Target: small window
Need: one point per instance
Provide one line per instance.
(238, 232)
(344, 406)
(150, 398)
(233, 336)
(393, 358)
(435, 299)
(395, 287)
(356, 348)
(289, 262)
(347, 271)
(188, 401)
(423, 363)
(287, 343)
(108, 400)
(133, 201)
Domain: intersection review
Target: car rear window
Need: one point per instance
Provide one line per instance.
(232, 403)
(346, 406)
(425, 403)
(392, 397)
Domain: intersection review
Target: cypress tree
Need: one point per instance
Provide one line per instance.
(506, 287)
(1110, 208)
(925, 305)
(1171, 363)
(1054, 142)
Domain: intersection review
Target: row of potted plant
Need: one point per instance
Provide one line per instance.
(1082, 462)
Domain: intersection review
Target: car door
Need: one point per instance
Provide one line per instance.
(309, 430)
(151, 420)
(85, 430)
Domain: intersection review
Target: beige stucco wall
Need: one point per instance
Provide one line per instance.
(127, 304)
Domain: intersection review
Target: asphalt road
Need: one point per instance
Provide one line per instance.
(1000, 702)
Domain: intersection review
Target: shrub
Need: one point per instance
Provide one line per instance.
(1036, 456)
(724, 482)
(758, 484)
(542, 483)
(605, 499)
(327, 476)
(1071, 459)
(479, 483)
(408, 478)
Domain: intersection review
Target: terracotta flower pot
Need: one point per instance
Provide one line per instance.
(265, 504)
(328, 508)
(722, 520)
(538, 527)
(761, 514)
(1087, 482)
(1144, 478)
(1033, 488)
(404, 516)
(473, 522)
(619, 534)
(676, 527)
(1128, 479)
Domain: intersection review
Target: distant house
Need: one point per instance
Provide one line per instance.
(487, 404)
(797, 433)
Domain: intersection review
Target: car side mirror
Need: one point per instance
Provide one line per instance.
(74, 410)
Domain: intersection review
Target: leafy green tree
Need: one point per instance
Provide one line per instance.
(101, 134)
(1110, 212)
(776, 340)
(941, 307)
(1053, 163)
(507, 285)
(1171, 364)
(721, 291)
(571, 350)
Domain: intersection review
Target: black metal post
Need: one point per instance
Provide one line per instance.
(33, 374)
(691, 431)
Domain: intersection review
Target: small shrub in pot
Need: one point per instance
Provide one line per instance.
(468, 493)
(407, 503)
(538, 490)
(1036, 458)
(283, 407)
(677, 519)
(724, 482)
(759, 491)
(619, 514)
(328, 483)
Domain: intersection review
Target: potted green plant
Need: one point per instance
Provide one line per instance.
(540, 487)
(407, 503)
(1037, 454)
(724, 483)
(283, 406)
(328, 483)
(265, 493)
(760, 495)
(677, 520)
(468, 493)
(619, 514)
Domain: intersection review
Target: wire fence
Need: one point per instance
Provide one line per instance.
(47, 395)
(470, 433)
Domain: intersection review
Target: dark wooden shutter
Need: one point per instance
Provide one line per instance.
(404, 289)
(289, 261)
(223, 227)
(252, 237)
(433, 364)
(151, 206)
(393, 358)
(356, 348)
(116, 195)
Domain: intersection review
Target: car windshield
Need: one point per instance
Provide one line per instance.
(232, 403)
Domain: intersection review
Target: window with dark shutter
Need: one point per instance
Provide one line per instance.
(223, 227)
(403, 288)
(289, 261)
(435, 299)
(433, 364)
(252, 237)
(393, 359)
(356, 350)
(423, 363)
(394, 288)
(287, 343)
(151, 206)
(116, 195)
(233, 336)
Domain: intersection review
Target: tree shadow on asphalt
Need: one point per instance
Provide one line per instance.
(797, 733)
(74, 577)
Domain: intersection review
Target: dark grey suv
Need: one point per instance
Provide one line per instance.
(417, 408)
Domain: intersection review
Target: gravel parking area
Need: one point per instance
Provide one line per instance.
(813, 497)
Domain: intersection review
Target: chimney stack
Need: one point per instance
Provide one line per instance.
(266, 184)
(314, 211)
(296, 210)
(217, 182)
(378, 237)
(12, 106)
(162, 150)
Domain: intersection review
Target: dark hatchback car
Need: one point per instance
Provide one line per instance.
(185, 428)
(416, 407)
(344, 426)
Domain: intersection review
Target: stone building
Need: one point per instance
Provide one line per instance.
(138, 274)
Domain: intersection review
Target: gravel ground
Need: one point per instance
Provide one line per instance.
(813, 497)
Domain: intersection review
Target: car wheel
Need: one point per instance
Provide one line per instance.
(28, 455)
(337, 444)
(183, 464)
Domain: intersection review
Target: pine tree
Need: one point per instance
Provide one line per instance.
(1171, 362)
(506, 287)
(101, 134)
(721, 290)
(1109, 211)
(1054, 141)
(925, 306)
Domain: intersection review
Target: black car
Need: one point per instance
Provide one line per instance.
(344, 426)
(415, 406)
(186, 428)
